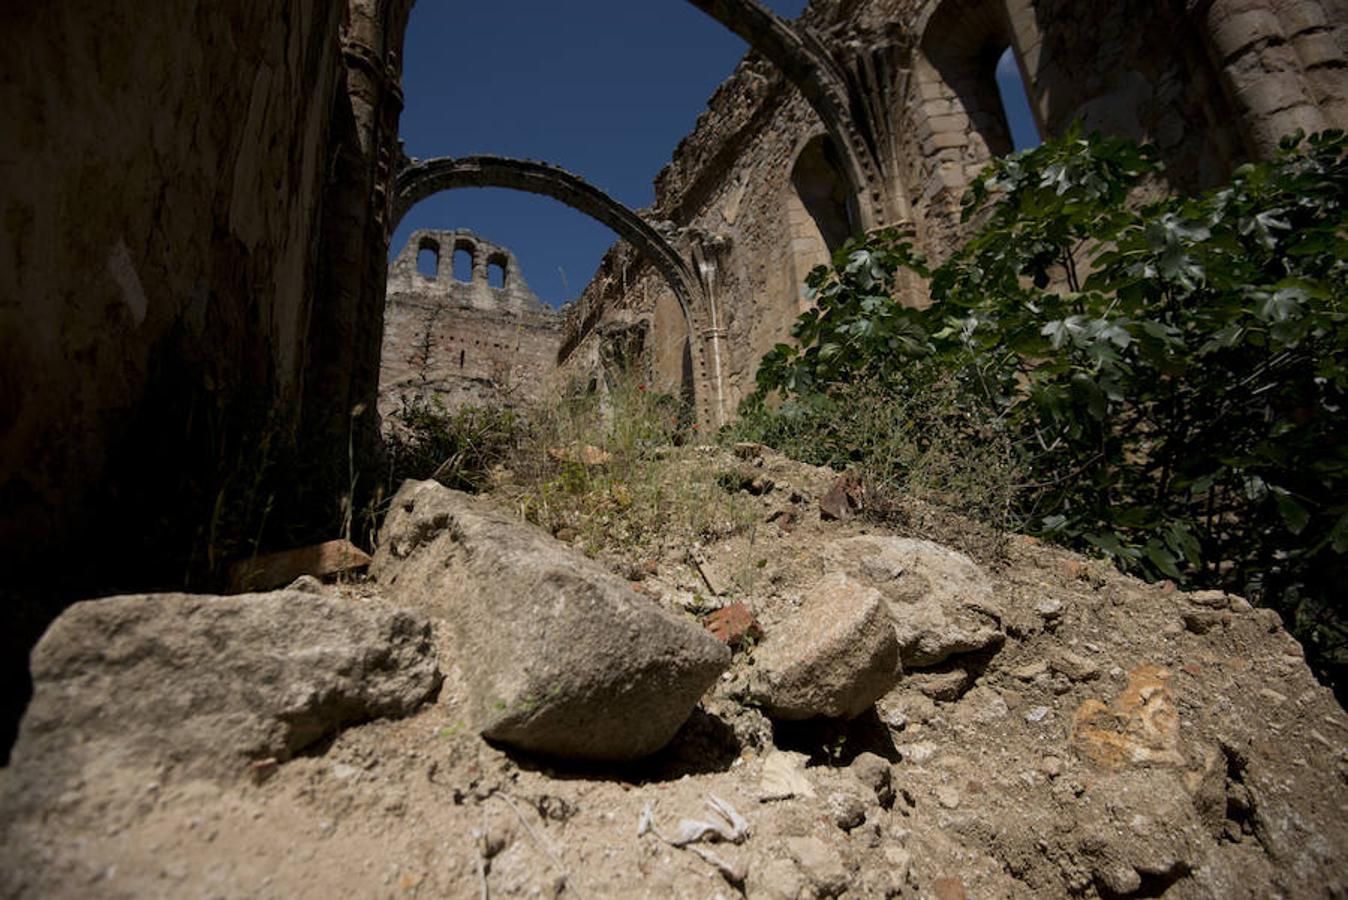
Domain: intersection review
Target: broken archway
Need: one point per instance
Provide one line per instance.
(420, 179)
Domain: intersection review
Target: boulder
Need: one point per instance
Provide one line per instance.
(835, 657)
(207, 684)
(941, 602)
(561, 657)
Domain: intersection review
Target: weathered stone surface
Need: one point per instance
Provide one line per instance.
(565, 658)
(834, 658)
(205, 684)
(941, 602)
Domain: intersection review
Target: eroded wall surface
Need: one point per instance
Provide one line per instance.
(162, 179)
(480, 341)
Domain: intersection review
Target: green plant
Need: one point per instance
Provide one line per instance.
(1170, 374)
(459, 448)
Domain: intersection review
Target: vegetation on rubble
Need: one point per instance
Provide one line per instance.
(1161, 380)
(610, 470)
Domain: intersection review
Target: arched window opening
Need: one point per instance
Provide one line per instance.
(496, 273)
(428, 260)
(463, 264)
(819, 182)
(1016, 103)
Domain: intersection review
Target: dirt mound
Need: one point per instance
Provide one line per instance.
(1117, 739)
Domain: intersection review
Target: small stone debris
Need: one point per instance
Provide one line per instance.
(948, 797)
(820, 864)
(844, 498)
(1030, 671)
(941, 686)
(1201, 621)
(1074, 666)
(784, 777)
(1049, 609)
(874, 773)
(786, 520)
(847, 810)
(326, 560)
(733, 625)
(1037, 714)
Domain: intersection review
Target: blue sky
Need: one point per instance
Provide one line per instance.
(605, 88)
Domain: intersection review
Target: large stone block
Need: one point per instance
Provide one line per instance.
(206, 684)
(560, 656)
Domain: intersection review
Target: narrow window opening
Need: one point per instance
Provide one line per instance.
(463, 265)
(461, 352)
(1016, 103)
(819, 182)
(428, 261)
(496, 276)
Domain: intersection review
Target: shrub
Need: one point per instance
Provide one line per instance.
(1171, 374)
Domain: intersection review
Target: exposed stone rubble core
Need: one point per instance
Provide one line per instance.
(1104, 750)
(463, 342)
(560, 655)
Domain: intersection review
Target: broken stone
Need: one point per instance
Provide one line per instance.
(1030, 671)
(943, 686)
(1218, 600)
(780, 879)
(784, 776)
(1201, 621)
(1139, 825)
(875, 773)
(847, 810)
(566, 659)
(733, 625)
(834, 658)
(1049, 609)
(263, 573)
(211, 684)
(820, 865)
(1074, 666)
(942, 604)
(948, 797)
(843, 499)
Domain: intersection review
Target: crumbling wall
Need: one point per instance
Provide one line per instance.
(162, 180)
(1209, 82)
(463, 342)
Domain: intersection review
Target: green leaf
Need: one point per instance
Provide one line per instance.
(1293, 513)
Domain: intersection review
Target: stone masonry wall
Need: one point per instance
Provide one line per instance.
(162, 178)
(464, 342)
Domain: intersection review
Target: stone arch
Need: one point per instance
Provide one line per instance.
(420, 179)
(824, 83)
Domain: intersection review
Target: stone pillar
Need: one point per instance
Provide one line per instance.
(1261, 69)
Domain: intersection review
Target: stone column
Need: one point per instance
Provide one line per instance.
(1260, 67)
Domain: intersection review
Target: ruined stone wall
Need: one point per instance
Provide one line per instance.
(463, 342)
(1209, 83)
(162, 180)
